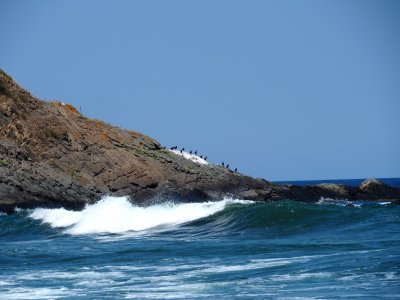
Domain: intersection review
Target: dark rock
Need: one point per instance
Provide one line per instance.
(373, 189)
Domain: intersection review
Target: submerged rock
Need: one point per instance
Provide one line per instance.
(53, 156)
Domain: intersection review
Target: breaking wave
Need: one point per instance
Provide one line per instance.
(226, 249)
(118, 215)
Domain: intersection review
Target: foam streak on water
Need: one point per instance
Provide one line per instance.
(118, 215)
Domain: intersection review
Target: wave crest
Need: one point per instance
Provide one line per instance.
(118, 215)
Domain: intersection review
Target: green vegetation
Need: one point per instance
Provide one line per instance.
(164, 151)
(3, 163)
(139, 151)
(51, 133)
(74, 174)
(5, 74)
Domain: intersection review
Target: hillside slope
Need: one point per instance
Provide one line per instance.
(51, 155)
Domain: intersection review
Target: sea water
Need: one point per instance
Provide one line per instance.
(215, 250)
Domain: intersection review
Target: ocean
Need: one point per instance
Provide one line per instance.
(230, 249)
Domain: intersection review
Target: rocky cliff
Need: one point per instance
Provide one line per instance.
(52, 156)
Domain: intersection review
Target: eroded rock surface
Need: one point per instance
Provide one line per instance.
(52, 156)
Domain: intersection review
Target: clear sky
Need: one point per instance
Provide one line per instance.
(284, 90)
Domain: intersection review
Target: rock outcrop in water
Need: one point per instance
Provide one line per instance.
(52, 156)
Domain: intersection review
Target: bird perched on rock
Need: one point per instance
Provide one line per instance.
(227, 166)
(235, 169)
(205, 158)
(223, 164)
(195, 152)
(183, 149)
(190, 151)
(201, 156)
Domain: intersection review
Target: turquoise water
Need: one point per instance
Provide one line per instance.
(228, 249)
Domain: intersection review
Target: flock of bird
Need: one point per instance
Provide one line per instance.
(201, 156)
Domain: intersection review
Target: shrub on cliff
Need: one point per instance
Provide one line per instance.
(51, 133)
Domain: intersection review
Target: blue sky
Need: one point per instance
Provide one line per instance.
(284, 90)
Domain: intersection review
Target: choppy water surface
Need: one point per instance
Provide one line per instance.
(227, 249)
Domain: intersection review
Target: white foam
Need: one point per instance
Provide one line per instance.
(4, 282)
(192, 157)
(52, 274)
(37, 293)
(338, 202)
(56, 217)
(345, 202)
(248, 266)
(301, 276)
(256, 264)
(118, 215)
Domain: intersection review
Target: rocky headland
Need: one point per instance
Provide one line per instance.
(53, 156)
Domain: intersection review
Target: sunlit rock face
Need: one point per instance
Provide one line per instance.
(53, 156)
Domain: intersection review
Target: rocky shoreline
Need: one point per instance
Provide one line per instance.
(52, 156)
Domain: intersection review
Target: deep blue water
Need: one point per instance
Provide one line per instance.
(229, 249)
(350, 182)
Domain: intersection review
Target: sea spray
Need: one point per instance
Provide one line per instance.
(118, 215)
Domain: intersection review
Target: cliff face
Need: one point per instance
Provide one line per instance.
(51, 155)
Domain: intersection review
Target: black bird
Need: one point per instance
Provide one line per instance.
(223, 164)
(227, 166)
(201, 156)
(205, 158)
(235, 169)
(183, 149)
(190, 152)
(195, 152)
